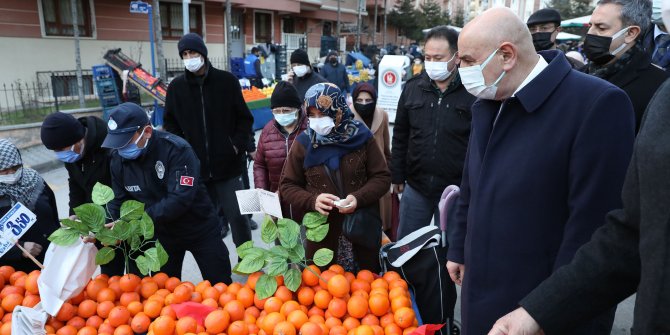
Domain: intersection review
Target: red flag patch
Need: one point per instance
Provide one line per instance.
(186, 181)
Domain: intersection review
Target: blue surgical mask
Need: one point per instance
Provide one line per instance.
(131, 150)
(68, 156)
(286, 119)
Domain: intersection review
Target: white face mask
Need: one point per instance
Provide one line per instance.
(438, 71)
(193, 64)
(321, 125)
(12, 178)
(300, 70)
(472, 78)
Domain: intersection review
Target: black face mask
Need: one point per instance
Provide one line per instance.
(365, 110)
(597, 49)
(542, 41)
(333, 61)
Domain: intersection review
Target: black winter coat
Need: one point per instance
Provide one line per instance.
(337, 75)
(210, 113)
(302, 84)
(430, 135)
(93, 167)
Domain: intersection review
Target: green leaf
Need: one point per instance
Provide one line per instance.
(153, 262)
(317, 234)
(268, 230)
(279, 251)
(135, 242)
(106, 237)
(251, 262)
(122, 230)
(162, 253)
(131, 210)
(266, 286)
(102, 194)
(104, 256)
(323, 256)
(314, 219)
(142, 264)
(289, 233)
(146, 225)
(293, 279)
(276, 266)
(64, 236)
(92, 215)
(297, 254)
(242, 249)
(79, 226)
(236, 269)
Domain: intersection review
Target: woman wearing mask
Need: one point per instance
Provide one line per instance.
(24, 185)
(335, 159)
(365, 110)
(276, 140)
(417, 68)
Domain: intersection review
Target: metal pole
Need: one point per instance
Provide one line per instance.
(151, 40)
(358, 28)
(184, 13)
(229, 35)
(158, 35)
(384, 32)
(338, 25)
(77, 54)
(374, 31)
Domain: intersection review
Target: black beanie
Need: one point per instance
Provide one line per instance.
(194, 42)
(285, 95)
(61, 130)
(299, 56)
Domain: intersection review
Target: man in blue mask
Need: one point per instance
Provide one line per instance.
(77, 143)
(162, 171)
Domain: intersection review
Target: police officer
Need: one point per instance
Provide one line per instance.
(162, 171)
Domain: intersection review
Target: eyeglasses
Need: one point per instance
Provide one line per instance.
(283, 110)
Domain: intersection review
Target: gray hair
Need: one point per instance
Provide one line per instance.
(633, 13)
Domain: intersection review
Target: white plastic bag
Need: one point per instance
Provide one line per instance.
(66, 272)
(29, 321)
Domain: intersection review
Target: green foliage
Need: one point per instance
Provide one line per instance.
(130, 234)
(570, 9)
(432, 15)
(406, 19)
(283, 259)
(459, 18)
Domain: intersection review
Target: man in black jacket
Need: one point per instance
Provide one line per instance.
(613, 49)
(302, 76)
(431, 133)
(162, 171)
(335, 72)
(205, 106)
(77, 143)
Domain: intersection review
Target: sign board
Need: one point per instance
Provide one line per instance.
(259, 201)
(139, 7)
(13, 225)
(390, 83)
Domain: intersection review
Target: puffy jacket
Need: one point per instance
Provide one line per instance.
(93, 167)
(210, 113)
(430, 135)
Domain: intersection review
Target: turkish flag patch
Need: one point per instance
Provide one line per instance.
(186, 181)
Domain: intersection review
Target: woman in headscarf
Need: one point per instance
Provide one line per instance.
(335, 159)
(25, 185)
(365, 109)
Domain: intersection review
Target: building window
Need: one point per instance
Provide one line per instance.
(262, 27)
(172, 20)
(327, 29)
(57, 16)
(289, 25)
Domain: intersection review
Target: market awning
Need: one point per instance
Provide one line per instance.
(566, 36)
(577, 22)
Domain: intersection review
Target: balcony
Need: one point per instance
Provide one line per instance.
(292, 41)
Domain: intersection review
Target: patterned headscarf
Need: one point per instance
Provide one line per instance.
(30, 185)
(348, 134)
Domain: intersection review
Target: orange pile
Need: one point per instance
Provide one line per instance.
(253, 94)
(338, 303)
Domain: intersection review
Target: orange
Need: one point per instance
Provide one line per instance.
(106, 328)
(379, 304)
(297, 318)
(338, 330)
(325, 277)
(315, 311)
(253, 311)
(379, 283)
(366, 275)
(284, 328)
(185, 325)
(273, 304)
(128, 297)
(119, 315)
(140, 323)
(357, 307)
(364, 330)
(404, 317)
(94, 286)
(77, 298)
(311, 278)
(216, 322)
(337, 307)
(322, 299)
(163, 325)
(182, 293)
(246, 296)
(234, 288)
(280, 280)
(211, 303)
(337, 269)
(202, 286)
(370, 319)
(94, 321)
(11, 289)
(398, 283)
(360, 285)
(338, 286)
(31, 282)
(252, 279)
(66, 312)
(378, 330)
(351, 323)
(225, 297)
(212, 292)
(87, 330)
(238, 328)
(160, 279)
(6, 271)
(135, 307)
(148, 289)
(123, 330)
(77, 322)
(104, 308)
(221, 287)
(408, 330)
(257, 302)
(391, 276)
(398, 292)
(65, 330)
(350, 277)
(106, 294)
(168, 311)
(87, 308)
(360, 293)
(129, 282)
(15, 276)
(197, 297)
(270, 321)
(115, 287)
(289, 307)
(284, 293)
(152, 308)
(235, 309)
(399, 302)
(172, 283)
(12, 300)
(6, 328)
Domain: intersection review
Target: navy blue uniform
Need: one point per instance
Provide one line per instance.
(166, 178)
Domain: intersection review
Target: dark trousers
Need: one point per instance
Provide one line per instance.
(223, 196)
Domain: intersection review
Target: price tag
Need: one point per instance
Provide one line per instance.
(14, 224)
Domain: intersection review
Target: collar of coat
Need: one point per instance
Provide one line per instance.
(533, 95)
(377, 118)
(193, 79)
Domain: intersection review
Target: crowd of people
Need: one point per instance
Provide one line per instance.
(562, 166)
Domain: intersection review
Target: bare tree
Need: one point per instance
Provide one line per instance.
(77, 53)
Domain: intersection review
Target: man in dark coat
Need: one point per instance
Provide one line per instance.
(544, 26)
(548, 152)
(302, 75)
(78, 144)
(615, 55)
(335, 72)
(205, 106)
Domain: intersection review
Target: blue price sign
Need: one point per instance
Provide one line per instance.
(14, 224)
(139, 7)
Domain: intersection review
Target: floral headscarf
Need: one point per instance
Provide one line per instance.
(348, 134)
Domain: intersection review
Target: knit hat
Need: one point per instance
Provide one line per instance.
(285, 95)
(299, 56)
(193, 42)
(124, 120)
(61, 130)
(365, 87)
